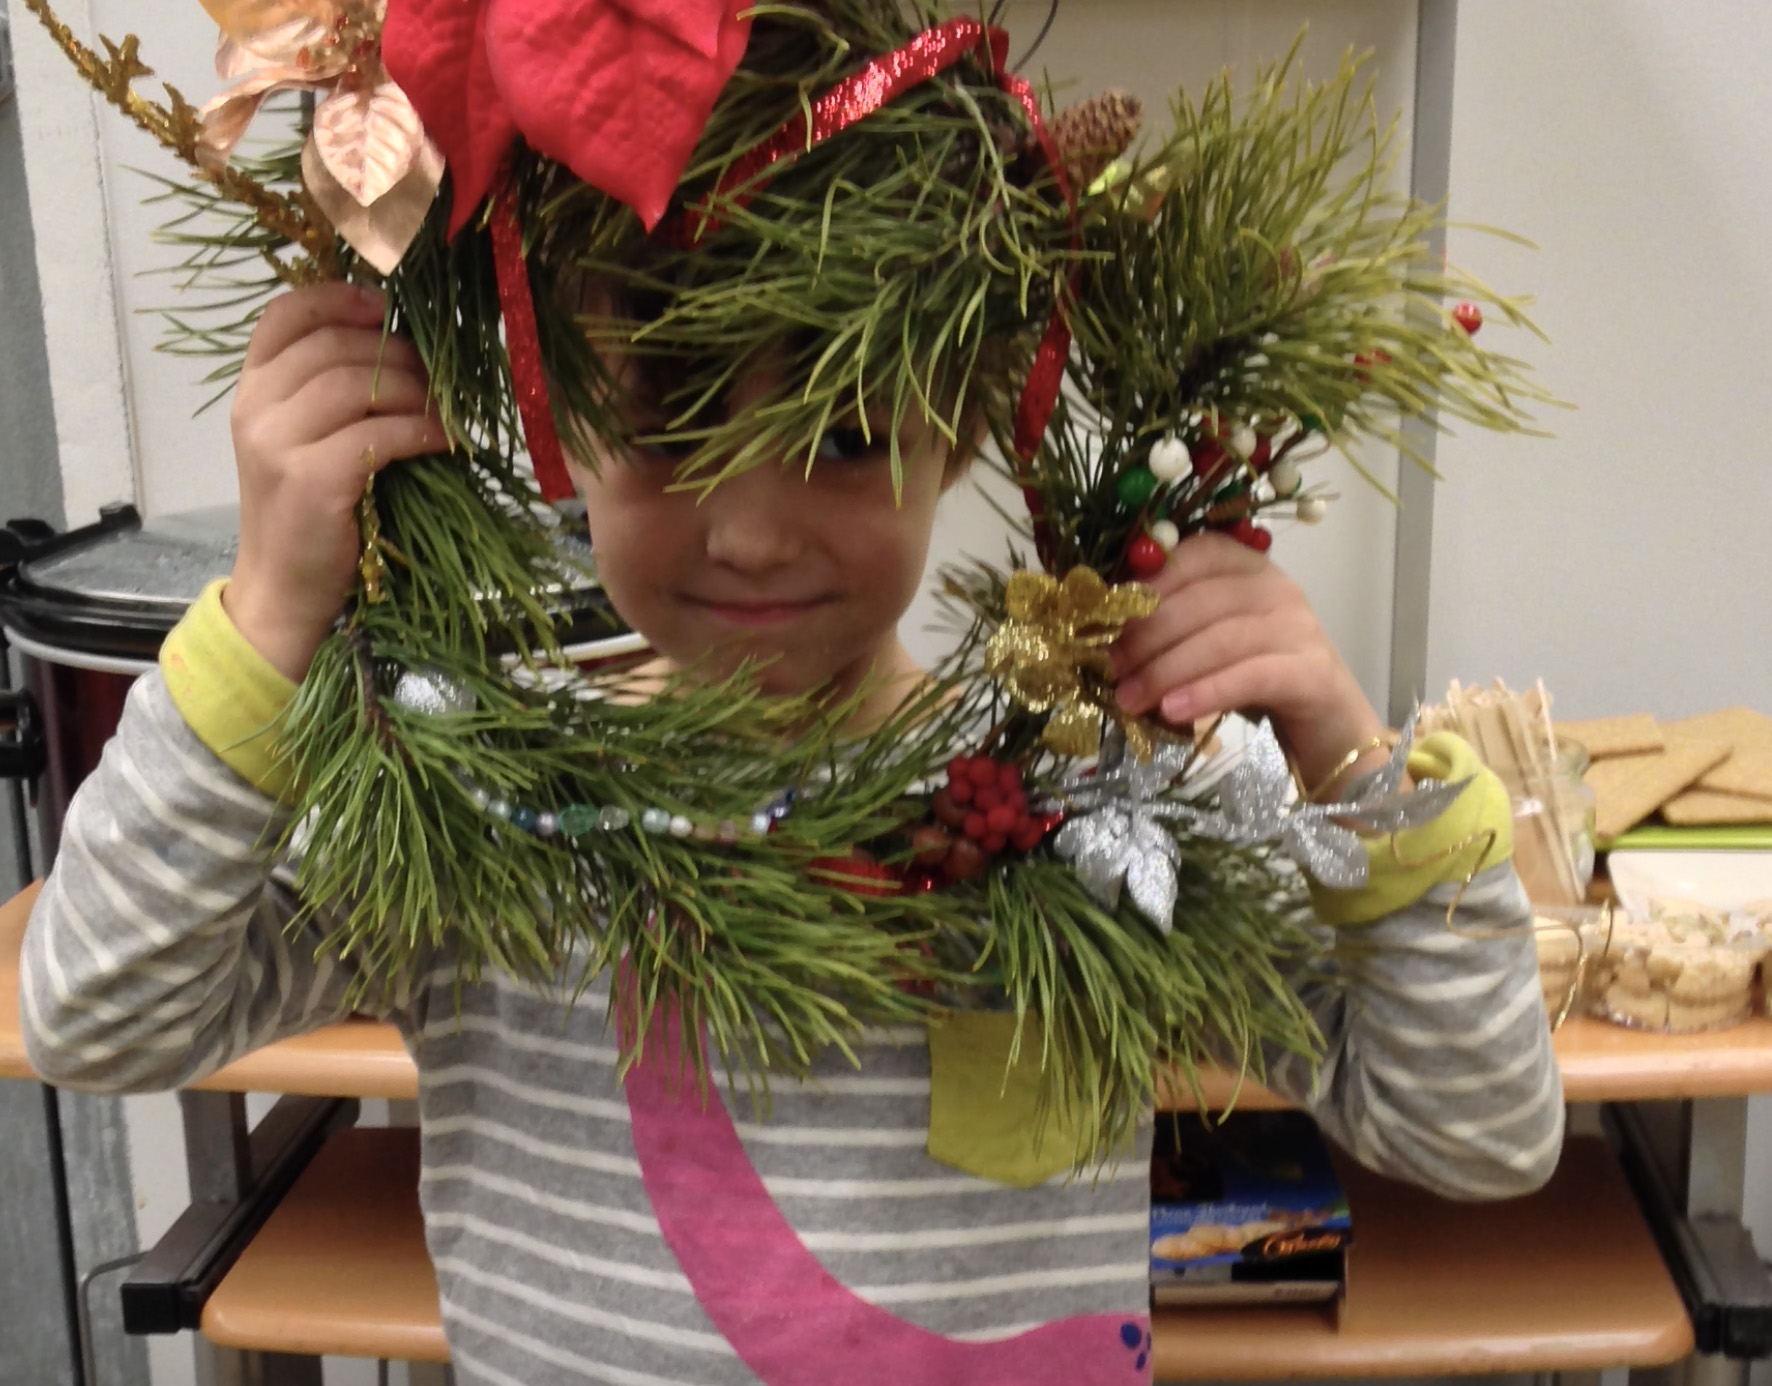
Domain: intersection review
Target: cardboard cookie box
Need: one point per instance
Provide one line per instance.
(1245, 1210)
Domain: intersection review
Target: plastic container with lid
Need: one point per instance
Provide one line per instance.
(1678, 969)
(1571, 941)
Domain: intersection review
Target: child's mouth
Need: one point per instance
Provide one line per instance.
(755, 615)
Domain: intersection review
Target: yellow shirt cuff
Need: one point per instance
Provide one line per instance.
(228, 694)
(1474, 834)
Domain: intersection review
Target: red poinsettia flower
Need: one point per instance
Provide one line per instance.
(617, 90)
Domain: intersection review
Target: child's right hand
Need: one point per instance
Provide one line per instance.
(324, 401)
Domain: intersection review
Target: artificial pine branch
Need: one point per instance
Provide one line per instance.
(1253, 269)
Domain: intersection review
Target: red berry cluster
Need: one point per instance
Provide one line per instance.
(1210, 454)
(983, 810)
(1212, 450)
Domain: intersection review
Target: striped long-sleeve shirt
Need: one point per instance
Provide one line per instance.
(587, 1230)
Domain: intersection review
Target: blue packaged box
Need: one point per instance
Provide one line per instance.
(1247, 1209)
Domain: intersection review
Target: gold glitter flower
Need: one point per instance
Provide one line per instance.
(1052, 654)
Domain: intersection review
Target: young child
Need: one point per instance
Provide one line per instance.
(586, 1229)
(561, 1210)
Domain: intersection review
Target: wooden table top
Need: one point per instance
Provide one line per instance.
(340, 1267)
(1568, 1278)
(363, 1058)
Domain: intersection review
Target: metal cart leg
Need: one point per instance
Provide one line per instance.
(1687, 1163)
(218, 1156)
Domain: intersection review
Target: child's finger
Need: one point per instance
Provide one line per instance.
(1184, 615)
(1247, 684)
(377, 441)
(334, 345)
(1237, 637)
(292, 316)
(339, 397)
(1203, 556)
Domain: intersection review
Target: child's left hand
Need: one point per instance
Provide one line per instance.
(1233, 633)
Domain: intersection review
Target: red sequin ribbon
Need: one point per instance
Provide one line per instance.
(523, 343)
(854, 98)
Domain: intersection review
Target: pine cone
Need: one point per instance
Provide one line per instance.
(1093, 133)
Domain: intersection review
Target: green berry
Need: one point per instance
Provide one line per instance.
(1135, 486)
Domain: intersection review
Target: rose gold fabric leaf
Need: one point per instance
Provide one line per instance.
(246, 19)
(380, 233)
(232, 62)
(226, 117)
(278, 47)
(368, 139)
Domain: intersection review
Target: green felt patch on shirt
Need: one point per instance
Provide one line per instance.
(984, 1115)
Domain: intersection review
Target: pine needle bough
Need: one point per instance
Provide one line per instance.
(1243, 293)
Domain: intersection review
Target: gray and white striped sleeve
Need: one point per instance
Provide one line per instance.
(1439, 1067)
(160, 946)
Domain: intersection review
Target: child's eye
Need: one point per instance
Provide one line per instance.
(849, 444)
(667, 449)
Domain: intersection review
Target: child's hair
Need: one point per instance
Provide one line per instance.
(642, 396)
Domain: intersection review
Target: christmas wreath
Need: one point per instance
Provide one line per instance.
(1156, 337)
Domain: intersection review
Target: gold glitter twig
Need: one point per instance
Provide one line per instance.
(377, 548)
(177, 126)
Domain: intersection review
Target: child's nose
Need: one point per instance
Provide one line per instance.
(751, 519)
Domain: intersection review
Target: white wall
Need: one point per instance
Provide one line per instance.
(182, 462)
(1626, 559)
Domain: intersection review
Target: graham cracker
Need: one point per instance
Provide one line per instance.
(1748, 770)
(1627, 789)
(1631, 735)
(1702, 807)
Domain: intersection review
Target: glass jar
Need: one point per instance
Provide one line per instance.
(1554, 828)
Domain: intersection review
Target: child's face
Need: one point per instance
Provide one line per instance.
(807, 575)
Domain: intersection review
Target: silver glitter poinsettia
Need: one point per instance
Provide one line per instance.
(1257, 803)
(1118, 836)
(1115, 834)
